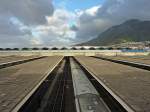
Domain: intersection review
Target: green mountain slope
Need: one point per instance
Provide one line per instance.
(130, 31)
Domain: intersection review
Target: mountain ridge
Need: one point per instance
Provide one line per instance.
(133, 30)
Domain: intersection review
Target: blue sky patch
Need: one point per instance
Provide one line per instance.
(72, 5)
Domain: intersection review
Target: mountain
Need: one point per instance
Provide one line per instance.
(130, 31)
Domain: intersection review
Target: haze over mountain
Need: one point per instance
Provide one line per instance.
(130, 31)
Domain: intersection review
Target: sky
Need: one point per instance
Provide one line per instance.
(43, 23)
(73, 5)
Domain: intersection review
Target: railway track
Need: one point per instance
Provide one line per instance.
(132, 64)
(70, 87)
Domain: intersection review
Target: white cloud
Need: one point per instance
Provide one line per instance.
(57, 31)
(92, 11)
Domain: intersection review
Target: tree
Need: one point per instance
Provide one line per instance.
(16, 49)
(92, 48)
(110, 48)
(45, 48)
(54, 48)
(119, 48)
(82, 48)
(8, 49)
(73, 48)
(101, 48)
(63, 48)
(25, 48)
(35, 48)
(1, 49)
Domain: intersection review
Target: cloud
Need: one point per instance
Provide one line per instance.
(13, 34)
(121, 10)
(55, 31)
(15, 41)
(6, 27)
(18, 17)
(112, 12)
(28, 11)
(92, 11)
(74, 28)
(91, 29)
(89, 25)
(58, 30)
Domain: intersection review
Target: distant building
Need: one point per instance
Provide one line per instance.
(134, 45)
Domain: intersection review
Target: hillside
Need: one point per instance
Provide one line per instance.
(130, 31)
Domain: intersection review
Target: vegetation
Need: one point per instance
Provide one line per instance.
(45, 48)
(25, 48)
(8, 49)
(35, 48)
(82, 48)
(63, 48)
(54, 48)
(101, 48)
(110, 48)
(73, 48)
(16, 49)
(1, 49)
(119, 48)
(92, 48)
